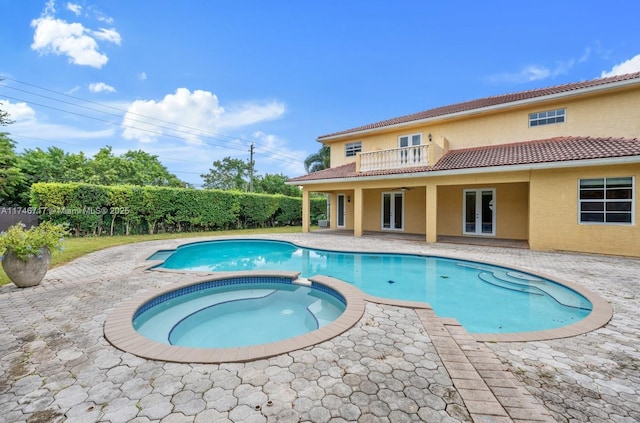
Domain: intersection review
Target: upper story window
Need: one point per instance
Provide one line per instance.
(352, 148)
(409, 140)
(606, 200)
(548, 117)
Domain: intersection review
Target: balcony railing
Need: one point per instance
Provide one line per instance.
(394, 158)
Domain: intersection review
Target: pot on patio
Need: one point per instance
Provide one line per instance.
(27, 272)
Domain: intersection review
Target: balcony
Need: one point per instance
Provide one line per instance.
(394, 158)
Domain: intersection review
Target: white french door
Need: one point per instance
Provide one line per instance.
(478, 212)
(393, 211)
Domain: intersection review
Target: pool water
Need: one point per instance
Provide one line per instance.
(483, 298)
(237, 315)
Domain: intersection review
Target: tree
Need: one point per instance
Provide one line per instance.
(11, 177)
(318, 161)
(4, 116)
(146, 169)
(227, 174)
(275, 184)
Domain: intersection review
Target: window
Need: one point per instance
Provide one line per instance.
(410, 157)
(407, 140)
(606, 200)
(548, 117)
(352, 148)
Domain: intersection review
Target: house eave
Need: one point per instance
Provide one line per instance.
(481, 170)
(476, 111)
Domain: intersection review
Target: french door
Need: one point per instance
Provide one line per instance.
(341, 212)
(393, 211)
(479, 217)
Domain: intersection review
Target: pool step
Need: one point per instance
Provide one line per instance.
(522, 282)
(319, 312)
(493, 279)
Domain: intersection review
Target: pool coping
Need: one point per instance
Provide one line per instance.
(601, 312)
(119, 330)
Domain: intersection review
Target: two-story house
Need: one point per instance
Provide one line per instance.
(556, 168)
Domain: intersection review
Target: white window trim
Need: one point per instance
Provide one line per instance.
(382, 228)
(547, 111)
(352, 145)
(493, 214)
(633, 204)
(410, 137)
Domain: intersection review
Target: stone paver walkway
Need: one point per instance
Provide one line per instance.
(395, 365)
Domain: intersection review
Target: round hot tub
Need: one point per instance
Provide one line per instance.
(235, 318)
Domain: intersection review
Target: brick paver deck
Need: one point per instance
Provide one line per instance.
(396, 364)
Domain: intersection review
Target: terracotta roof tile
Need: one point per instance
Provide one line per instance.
(541, 151)
(487, 102)
(552, 150)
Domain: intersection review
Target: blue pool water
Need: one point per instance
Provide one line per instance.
(236, 314)
(483, 298)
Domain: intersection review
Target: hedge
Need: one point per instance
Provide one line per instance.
(126, 209)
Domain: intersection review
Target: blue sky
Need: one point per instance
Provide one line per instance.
(194, 81)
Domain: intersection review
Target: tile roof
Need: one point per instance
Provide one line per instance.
(487, 102)
(553, 150)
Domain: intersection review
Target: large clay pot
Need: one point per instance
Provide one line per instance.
(26, 273)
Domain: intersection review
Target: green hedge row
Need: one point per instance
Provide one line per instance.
(125, 209)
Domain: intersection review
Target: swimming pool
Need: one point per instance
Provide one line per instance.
(483, 298)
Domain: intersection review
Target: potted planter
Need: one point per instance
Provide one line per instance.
(29, 272)
(26, 254)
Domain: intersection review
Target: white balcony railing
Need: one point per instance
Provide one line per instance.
(394, 158)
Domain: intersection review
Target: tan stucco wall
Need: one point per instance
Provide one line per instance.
(613, 115)
(554, 214)
(414, 213)
(538, 205)
(511, 205)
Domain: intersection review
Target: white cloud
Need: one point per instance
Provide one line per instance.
(250, 113)
(271, 147)
(56, 36)
(97, 87)
(142, 76)
(28, 124)
(629, 66)
(190, 116)
(534, 73)
(19, 112)
(75, 8)
(585, 56)
(108, 35)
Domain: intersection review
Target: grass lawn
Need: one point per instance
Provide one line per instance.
(76, 247)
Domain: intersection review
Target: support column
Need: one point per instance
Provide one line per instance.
(306, 207)
(432, 213)
(357, 212)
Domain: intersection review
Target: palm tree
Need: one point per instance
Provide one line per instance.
(318, 161)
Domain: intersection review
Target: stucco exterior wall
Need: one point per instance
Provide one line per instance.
(554, 214)
(538, 205)
(511, 207)
(611, 115)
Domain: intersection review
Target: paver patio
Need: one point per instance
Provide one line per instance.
(396, 364)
